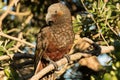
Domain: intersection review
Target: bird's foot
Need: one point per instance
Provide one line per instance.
(54, 64)
(67, 56)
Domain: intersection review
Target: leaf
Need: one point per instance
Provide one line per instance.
(2, 48)
(7, 71)
(118, 24)
(1, 53)
(100, 3)
(10, 44)
(1, 5)
(109, 13)
(117, 64)
(95, 5)
(11, 73)
(78, 17)
(107, 76)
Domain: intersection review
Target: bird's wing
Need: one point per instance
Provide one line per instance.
(40, 47)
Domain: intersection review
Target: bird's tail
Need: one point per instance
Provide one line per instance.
(39, 67)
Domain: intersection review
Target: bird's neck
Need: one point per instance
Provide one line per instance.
(62, 25)
(61, 28)
(63, 21)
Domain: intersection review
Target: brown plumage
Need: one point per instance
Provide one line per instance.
(55, 40)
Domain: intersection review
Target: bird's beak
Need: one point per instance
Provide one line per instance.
(48, 19)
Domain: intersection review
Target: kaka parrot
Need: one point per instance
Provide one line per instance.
(56, 39)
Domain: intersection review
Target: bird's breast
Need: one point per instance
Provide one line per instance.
(60, 41)
(62, 37)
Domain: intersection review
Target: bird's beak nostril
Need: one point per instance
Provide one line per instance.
(50, 22)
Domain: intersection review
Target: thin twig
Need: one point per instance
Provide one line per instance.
(6, 12)
(6, 57)
(106, 49)
(16, 47)
(13, 30)
(112, 29)
(16, 39)
(16, 56)
(20, 13)
(27, 20)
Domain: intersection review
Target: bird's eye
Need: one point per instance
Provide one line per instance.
(55, 11)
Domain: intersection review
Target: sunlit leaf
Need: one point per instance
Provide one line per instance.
(118, 64)
(109, 13)
(1, 4)
(78, 17)
(2, 48)
(118, 23)
(10, 44)
(10, 73)
(107, 76)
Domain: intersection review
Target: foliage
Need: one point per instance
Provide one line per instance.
(101, 23)
(98, 20)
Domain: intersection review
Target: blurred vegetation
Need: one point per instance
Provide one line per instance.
(98, 20)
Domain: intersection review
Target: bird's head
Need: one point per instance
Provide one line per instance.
(58, 13)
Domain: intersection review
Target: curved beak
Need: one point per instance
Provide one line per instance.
(48, 19)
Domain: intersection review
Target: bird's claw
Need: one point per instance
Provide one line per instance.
(54, 64)
(67, 56)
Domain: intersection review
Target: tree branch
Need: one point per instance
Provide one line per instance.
(16, 56)
(61, 62)
(76, 56)
(20, 13)
(85, 42)
(16, 39)
(6, 13)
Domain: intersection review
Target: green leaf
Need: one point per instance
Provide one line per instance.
(1, 53)
(7, 71)
(101, 3)
(109, 13)
(78, 17)
(10, 44)
(1, 5)
(107, 76)
(95, 5)
(2, 48)
(118, 23)
(11, 73)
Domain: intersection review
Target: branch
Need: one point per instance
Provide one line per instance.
(74, 57)
(20, 13)
(91, 62)
(6, 13)
(85, 42)
(27, 20)
(2, 75)
(112, 29)
(82, 44)
(16, 56)
(106, 49)
(61, 62)
(6, 57)
(16, 39)
(81, 41)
